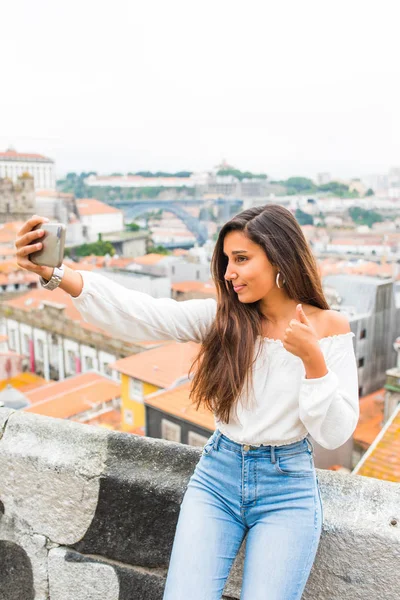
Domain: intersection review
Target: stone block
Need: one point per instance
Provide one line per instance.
(73, 576)
(139, 500)
(51, 474)
(23, 562)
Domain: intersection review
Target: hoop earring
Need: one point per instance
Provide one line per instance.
(277, 280)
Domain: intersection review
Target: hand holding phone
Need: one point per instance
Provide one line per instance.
(53, 241)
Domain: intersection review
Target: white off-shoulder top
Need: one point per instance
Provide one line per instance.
(284, 406)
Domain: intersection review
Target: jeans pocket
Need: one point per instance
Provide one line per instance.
(295, 465)
(209, 446)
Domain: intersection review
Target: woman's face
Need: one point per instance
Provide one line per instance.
(249, 270)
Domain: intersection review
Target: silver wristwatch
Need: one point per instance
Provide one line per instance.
(55, 279)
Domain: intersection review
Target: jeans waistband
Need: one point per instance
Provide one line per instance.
(296, 447)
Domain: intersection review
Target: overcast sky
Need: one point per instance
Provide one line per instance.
(283, 87)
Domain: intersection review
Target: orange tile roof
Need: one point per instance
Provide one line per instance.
(21, 276)
(382, 459)
(111, 419)
(371, 418)
(9, 266)
(8, 231)
(24, 381)
(194, 286)
(10, 154)
(176, 402)
(91, 206)
(148, 259)
(161, 366)
(72, 396)
(33, 299)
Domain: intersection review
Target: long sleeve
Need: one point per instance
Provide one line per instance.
(329, 405)
(135, 316)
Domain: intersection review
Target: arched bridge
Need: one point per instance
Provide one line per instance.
(133, 209)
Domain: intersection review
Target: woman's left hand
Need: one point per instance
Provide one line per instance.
(300, 337)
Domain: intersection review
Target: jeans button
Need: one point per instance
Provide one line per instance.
(246, 447)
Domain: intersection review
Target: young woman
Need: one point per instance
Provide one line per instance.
(275, 366)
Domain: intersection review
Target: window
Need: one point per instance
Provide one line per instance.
(26, 343)
(170, 431)
(135, 388)
(195, 439)
(107, 370)
(197, 274)
(128, 416)
(40, 349)
(360, 392)
(88, 363)
(361, 362)
(71, 361)
(363, 334)
(12, 339)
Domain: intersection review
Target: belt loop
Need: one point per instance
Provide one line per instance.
(273, 458)
(310, 445)
(217, 438)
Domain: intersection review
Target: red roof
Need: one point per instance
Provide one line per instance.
(12, 154)
(91, 206)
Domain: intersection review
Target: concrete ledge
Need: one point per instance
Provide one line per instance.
(89, 514)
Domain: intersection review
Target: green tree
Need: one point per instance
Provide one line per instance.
(157, 250)
(299, 185)
(370, 192)
(336, 188)
(99, 248)
(361, 216)
(241, 174)
(132, 227)
(303, 218)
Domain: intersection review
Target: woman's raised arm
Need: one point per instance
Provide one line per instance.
(136, 316)
(123, 313)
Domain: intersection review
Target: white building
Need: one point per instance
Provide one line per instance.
(97, 217)
(13, 164)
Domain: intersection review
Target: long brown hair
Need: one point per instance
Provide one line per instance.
(227, 352)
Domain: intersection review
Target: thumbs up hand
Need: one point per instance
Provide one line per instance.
(300, 337)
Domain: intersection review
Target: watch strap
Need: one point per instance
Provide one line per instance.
(55, 279)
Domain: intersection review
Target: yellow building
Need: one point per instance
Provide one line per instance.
(143, 374)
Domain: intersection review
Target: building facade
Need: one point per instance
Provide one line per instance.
(17, 199)
(14, 164)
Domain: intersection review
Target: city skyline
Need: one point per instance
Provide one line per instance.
(285, 89)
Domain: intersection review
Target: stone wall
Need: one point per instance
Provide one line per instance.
(89, 514)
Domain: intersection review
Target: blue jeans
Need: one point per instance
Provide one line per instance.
(270, 493)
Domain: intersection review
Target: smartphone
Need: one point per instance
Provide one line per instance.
(52, 252)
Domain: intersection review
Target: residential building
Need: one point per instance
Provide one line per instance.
(188, 290)
(14, 164)
(55, 341)
(176, 268)
(373, 308)
(161, 368)
(79, 398)
(128, 243)
(156, 286)
(171, 415)
(98, 218)
(138, 181)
